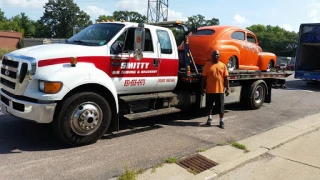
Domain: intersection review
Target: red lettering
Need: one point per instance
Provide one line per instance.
(135, 82)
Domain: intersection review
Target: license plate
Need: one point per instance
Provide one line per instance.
(3, 109)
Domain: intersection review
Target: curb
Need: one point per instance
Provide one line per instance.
(229, 158)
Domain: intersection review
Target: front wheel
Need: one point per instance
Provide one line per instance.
(83, 119)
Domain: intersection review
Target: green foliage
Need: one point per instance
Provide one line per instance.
(171, 160)
(60, 17)
(128, 175)
(200, 21)
(4, 51)
(123, 15)
(275, 39)
(239, 146)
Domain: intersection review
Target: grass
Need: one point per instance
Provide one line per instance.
(130, 174)
(4, 51)
(172, 160)
(156, 166)
(192, 171)
(239, 146)
(202, 149)
(222, 144)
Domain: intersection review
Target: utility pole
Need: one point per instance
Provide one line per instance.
(157, 10)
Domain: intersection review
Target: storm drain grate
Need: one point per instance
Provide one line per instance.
(197, 163)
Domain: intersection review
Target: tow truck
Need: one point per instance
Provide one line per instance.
(114, 70)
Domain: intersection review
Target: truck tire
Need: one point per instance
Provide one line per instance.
(254, 95)
(82, 119)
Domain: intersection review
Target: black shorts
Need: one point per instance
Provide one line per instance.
(218, 100)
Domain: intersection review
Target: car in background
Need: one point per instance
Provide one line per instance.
(239, 48)
(283, 66)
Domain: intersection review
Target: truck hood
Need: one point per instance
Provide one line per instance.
(53, 51)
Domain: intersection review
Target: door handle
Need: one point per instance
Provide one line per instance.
(156, 62)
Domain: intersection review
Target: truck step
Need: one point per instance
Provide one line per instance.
(131, 98)
(147, 114)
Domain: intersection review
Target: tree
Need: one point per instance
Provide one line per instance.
(200, 21)
(2, 17)
(275, 39)
(61, 16)
(131, 16)
(194, 21)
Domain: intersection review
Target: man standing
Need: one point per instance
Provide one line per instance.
(215, 77)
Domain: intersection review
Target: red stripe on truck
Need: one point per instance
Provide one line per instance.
(124, 68)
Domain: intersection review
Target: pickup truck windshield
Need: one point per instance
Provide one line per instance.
(96, 34)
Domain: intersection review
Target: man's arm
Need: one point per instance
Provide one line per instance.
(203, 83)
(226, 81)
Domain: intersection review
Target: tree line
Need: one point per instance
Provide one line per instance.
(60, 17)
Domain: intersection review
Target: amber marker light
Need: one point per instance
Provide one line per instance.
(50, 87)
(73, 61)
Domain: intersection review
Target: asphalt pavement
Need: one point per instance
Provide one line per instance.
(31, 151)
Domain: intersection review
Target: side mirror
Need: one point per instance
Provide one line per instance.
(139, 39)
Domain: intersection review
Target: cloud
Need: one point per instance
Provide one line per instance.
(23, 3)
(287, 27)
(133, 5)
(142, 8)
(314, 15)
(174, 15)
(239, 19)
(95, 12)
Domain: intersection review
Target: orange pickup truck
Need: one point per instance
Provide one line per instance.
(238, 48)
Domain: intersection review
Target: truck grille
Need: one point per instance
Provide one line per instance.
(9, 71)
(15, 73)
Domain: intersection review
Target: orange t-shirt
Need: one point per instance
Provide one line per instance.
(215, 74)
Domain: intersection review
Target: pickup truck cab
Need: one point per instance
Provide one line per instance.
(239, 48)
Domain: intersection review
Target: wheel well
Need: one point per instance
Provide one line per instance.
(272, 61)
(237, 61)
(101, 90)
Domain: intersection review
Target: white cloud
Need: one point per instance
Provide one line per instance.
(23, 3)
(239, 19)
(94, 12)
(287, 27)
(174, 15)
(314, 15)
(133, 5)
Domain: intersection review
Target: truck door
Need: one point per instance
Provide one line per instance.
(130, 75)
(168, 63)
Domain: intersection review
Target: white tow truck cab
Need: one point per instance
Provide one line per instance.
(111, 70)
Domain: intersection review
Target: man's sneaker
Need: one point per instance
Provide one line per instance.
(221, 124)
(208, 123)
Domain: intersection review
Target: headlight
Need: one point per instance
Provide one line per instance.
(50, 87)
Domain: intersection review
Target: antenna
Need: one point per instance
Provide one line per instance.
(157, 10)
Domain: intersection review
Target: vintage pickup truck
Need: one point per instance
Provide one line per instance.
(239, 48)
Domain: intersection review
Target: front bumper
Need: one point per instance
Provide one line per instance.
(38, 112)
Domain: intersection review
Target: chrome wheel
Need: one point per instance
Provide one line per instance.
(258, 94)
(86, 118)
(232, 63)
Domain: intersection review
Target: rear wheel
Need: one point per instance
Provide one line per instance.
(254, 95)
(83, 119)
(232, 63)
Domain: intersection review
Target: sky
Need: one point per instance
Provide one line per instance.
(288, 14)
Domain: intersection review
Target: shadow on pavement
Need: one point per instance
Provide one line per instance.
(301, 85)
(18, 135)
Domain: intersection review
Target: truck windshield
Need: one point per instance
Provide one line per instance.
(96, 34)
